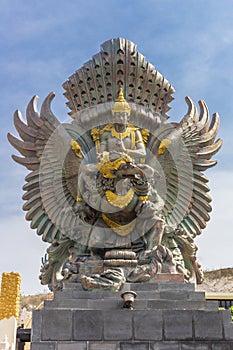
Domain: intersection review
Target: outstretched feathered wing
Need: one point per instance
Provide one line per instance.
(189, 147)
(52, 184)
(181, 152)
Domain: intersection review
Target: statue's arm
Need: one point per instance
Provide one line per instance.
(139, 150)
(104, 146)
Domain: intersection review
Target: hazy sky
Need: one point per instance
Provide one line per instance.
(44, 42)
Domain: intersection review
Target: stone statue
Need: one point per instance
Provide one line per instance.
(119, 193)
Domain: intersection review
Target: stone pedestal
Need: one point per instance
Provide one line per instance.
(166, 316)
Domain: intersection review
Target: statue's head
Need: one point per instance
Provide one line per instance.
(121, 109)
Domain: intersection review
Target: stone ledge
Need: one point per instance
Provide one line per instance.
(134, 345)
(43, 346)
(150, 286)
(72, 346)
(139, 304)
(152, 295)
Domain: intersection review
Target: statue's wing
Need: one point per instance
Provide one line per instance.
(188, 149)
(51, 185)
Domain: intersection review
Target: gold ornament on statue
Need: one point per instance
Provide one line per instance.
(121, 105)
(121, 230)
(163, 146)
(106, 166)
(76, 148)
(119, 201)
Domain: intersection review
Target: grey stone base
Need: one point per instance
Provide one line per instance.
(166, 345)
(166, 316)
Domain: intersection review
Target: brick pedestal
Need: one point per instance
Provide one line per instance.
(166, 316)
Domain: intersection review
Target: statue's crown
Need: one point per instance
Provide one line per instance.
(121, 105)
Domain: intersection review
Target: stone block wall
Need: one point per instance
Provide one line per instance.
(165, 317)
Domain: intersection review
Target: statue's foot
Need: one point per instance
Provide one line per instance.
(90, 283)
(140, 274)
(111, 279)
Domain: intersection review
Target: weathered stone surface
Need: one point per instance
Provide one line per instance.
(103, 346)
(196, 305)
(72, 346)
(159, 287)
(152, 294)
(195, 346)
(168, 278)
(43, 346)
(165, 346)
(140, 304)
(196, 295)
(182, 295)
(72, 286)
(208, 325)
(36, 325)
(177, 325)
(222, 346)
(148, 325)
(105, 304)
(78, 294)
(212, 305)
(118, 325)
(87, 325)
(64, 294)
(67, 304)
(154, 324)
(161, 304)
(227, 324)
(178, 304)
(134, 346)
(176, 287)
(56, 325)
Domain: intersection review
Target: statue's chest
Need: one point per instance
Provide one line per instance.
(114, 143)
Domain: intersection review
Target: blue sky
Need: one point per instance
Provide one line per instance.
(44, 42)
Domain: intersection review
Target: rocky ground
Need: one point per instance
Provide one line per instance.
(31, 302)
(218, 281)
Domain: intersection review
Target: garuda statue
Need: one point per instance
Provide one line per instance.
(119, 192)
